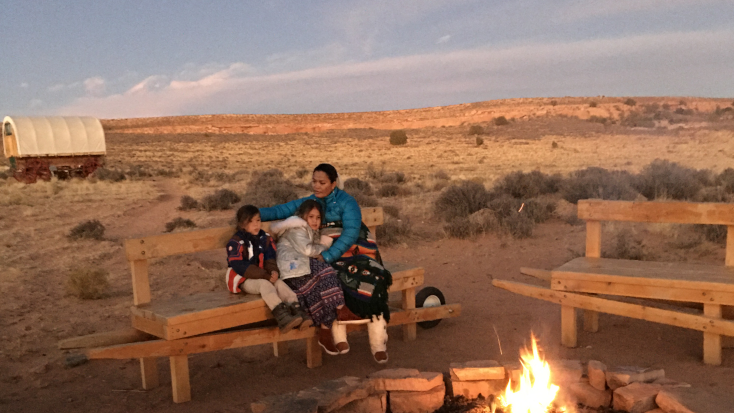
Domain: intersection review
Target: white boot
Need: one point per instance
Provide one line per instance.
(377, 332)
(339, 332)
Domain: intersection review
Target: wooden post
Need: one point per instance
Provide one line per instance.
(711, 341)
(593, 250)
(180, 379)
(408, 302)
(568, 326)
(149, 373)
(313, 351)
(727, 310)
(141, 295)
(280, 348)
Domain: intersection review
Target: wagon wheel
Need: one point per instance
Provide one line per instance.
(43, 171)
(429, 297)
(89, 166)
(32, 167)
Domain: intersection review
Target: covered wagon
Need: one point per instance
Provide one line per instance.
(40, 147)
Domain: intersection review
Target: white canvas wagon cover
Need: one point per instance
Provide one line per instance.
(53, 136)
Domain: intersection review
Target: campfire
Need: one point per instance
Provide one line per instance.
(534, 392)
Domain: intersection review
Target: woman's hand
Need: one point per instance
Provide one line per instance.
(320, 258)
(274, 276)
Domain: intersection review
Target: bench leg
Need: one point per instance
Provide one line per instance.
(408, 302)
(313, 352)
(180, 378)
(712, 342)
(149, 373)
(568, 326)
(280, 348)
(591, 321)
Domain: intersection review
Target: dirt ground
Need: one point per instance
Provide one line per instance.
(36, 256)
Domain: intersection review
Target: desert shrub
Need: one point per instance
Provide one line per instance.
(630, 102)
(388, 190)
(459, 227)
(666, 106)
(4, 175)
(398, 137)
(167, 173)
(92, 229)
(651, 108)
(554, 102)
(188, 203)
(637, 120)
(484, 220)
(626, 247)
(270, 188)
(394, 231)
(461, 200)
(301, 172)
(598, 119)
(501, 121)
(179, 223)
(594, 182)
(441, 175)
(479, 141)
(519, 184)
(713, 194)
(662, 178)
(137, 172)
(111, 175)
(356, 184)
(391, 210)
(88, 283)
(539, 210)
(682, 111)
(364, 200)
(519, 226)
(220, 200)
(396, 177)
(713, 233)
(554, 145)
(476, 130)
(593, 104)
(374, 173)
(726, 179)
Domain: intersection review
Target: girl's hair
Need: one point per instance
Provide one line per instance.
(329, 170)
(308, 206)
(246, 213)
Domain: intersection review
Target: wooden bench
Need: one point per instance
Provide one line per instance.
(710, 285)
(214, 321)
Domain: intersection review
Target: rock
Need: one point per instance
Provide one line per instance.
(40, 369)
(334, 394)
(589, 395)
(565, 371)
(670, 383)
(597, 371)
(373, 404)
(417, 402)
(687, 400)
(285, 403)
(477, 370)
(75, 360)
(623, 376)
(472, 389)
(636, 398)
(513, 370)
(405, 380)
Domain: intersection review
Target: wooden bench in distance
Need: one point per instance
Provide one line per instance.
(711, 285)
(194, 324)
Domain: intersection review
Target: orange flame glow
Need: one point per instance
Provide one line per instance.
(535, 393)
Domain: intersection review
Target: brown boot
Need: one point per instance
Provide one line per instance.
(326, 341)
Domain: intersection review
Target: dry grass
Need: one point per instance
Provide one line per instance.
(88, 283)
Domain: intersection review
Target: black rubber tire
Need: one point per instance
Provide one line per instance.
(420, 299)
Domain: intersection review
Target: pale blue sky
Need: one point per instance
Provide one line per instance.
(153, 58)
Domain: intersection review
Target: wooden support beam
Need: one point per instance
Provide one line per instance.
(313, 352)
(729, 261)
(180, 379)
(252, 337)
(141, 284)
(569, 335)
(641, 312)
(408, 303)
(662, 212)
(591, 321)
(544, 275)
(280, 348)
(107, 338)
(693, 295)
(593, 250)
(712, 341)
(149, 373)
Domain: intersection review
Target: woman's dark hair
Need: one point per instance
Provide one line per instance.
(307, 206)
(246, 213)
(329, 170)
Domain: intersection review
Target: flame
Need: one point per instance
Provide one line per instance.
(535, 393)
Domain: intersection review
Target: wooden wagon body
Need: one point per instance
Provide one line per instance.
(40, 147)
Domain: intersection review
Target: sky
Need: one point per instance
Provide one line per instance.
(125, 58)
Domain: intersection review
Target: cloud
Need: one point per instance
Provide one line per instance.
(62, 86)
(443, 39)
(23, 85)
(578, 10)
(36, 104)
(675, 63)
(95, 86)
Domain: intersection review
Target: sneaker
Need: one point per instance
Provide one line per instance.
(346, 316)
(326, 341)
(380, 357)
(286, 321)
(297, 310)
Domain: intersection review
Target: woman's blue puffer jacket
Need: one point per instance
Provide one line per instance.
(338, 206)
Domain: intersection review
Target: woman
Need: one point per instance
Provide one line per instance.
(342, 212)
